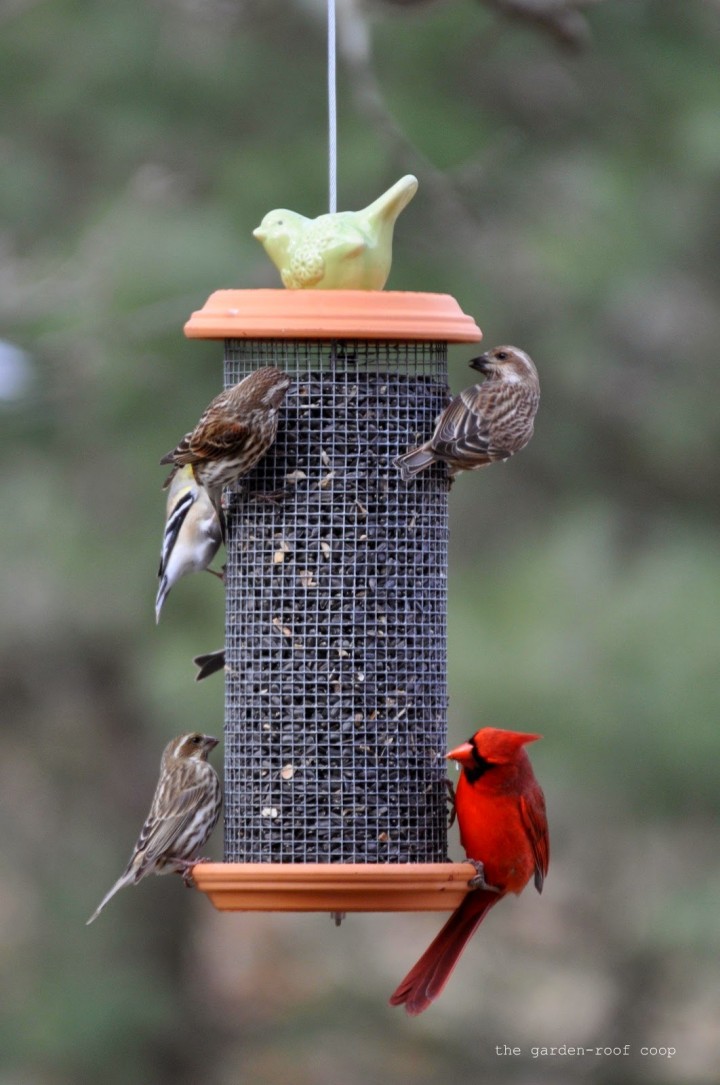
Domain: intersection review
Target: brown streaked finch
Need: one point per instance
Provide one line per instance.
(192, 533)
(234, 432)
(183, 814)
(487, 422)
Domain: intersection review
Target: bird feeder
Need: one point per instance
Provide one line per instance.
(336, 589)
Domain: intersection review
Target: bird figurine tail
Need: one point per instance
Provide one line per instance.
(428, 976)
(386, 208)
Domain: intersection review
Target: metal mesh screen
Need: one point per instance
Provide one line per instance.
(336, 698)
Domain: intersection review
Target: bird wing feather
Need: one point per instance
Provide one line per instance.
(461, 424)
(174, 524)
(162, 828)
(532, 815)
(465, 427)
(214, 442)
(175, 456)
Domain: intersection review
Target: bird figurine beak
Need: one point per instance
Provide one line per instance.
(481, 363)
(259, 233)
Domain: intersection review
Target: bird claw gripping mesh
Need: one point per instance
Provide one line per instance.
(336, 699)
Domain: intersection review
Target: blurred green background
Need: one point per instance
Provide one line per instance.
(569, 163)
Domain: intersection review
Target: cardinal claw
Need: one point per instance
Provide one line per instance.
(479, 882)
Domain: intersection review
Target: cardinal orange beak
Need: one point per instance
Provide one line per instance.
(463, 754)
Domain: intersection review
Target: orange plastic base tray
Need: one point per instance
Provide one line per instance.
(334, 887)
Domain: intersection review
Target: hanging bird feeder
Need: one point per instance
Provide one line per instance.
(336, 577)
(336, 587)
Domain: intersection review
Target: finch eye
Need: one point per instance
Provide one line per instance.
(501, 356)
(196, 740)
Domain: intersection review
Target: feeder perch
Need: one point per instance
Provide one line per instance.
(336, 690)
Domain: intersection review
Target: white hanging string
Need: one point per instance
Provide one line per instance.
(332, 107)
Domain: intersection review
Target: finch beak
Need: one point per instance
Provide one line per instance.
(482, 363)
(462, 754)
(259, 233)
(211, 742)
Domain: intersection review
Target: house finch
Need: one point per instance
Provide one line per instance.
(345, 250)
(503, 828)
(184, 812)
(192, 533)
(234, 433)
(487, 422)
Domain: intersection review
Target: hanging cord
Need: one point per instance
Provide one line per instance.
(332, 107)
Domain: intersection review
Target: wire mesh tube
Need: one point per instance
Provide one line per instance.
(336, 692)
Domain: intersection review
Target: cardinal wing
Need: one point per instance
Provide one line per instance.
(532, 814)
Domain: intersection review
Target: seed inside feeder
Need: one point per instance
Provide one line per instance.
(336, 601)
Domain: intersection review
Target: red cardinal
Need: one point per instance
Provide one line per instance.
(503, 828)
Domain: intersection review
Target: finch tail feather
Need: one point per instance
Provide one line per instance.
(427, 978)
(127, 878)
(414, 461)
(209, 663)
(161, 597)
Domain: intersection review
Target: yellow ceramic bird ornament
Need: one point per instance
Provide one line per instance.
(347, 250)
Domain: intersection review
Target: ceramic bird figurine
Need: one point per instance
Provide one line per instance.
(347, 250)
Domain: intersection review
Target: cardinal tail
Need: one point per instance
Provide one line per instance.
(427, 978)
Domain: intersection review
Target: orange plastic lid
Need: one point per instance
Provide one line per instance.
(332, 314)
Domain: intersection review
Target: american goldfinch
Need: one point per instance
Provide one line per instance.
(192, 533)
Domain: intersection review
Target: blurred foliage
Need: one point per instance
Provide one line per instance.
(569, 168)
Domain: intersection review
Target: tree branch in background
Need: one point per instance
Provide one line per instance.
(450, 194)
(561, 19)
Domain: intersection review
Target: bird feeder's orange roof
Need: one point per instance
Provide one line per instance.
(332, 314)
